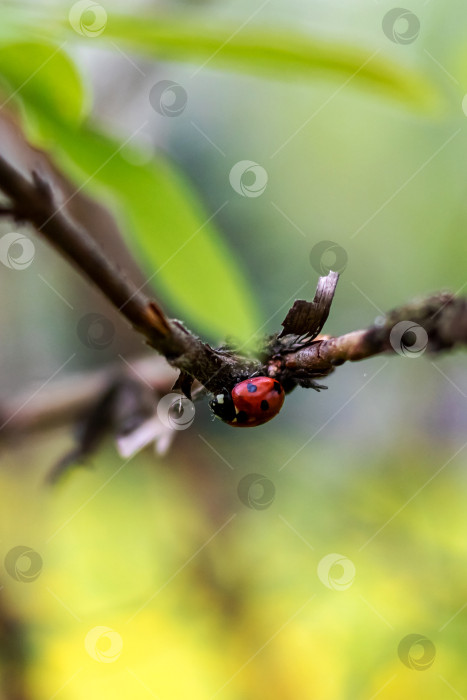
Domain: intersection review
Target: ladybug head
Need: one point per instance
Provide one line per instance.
(222, 406)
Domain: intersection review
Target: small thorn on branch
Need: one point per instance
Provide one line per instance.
(307, 318)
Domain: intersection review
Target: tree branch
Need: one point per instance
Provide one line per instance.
(67, 400)
(437, 323)
(34, 202)
(296, 356)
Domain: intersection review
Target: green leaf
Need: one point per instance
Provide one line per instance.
(42, 76)
(173, 236)
(178, 244)
(273, 52)
(18, 23)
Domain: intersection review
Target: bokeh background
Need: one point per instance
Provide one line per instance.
(340, 572)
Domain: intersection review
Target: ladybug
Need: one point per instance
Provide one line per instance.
(252, 402)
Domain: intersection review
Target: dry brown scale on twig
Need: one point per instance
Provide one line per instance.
(298, 355)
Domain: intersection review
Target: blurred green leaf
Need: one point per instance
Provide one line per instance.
(273, 52)
(18, 24)
(177, 242)
(178, 245)
(44, 77)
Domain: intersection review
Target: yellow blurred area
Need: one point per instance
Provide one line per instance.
(140, 593)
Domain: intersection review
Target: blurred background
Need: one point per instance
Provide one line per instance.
(321, 555)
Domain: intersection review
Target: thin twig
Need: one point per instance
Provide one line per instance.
(66, 400)
(438, 323)
(33, 201)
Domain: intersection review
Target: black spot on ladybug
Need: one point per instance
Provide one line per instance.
(242, 417)
(264, 405)
(252, 388)
(277, 387)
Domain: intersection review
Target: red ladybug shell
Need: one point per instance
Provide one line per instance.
(256, 401)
